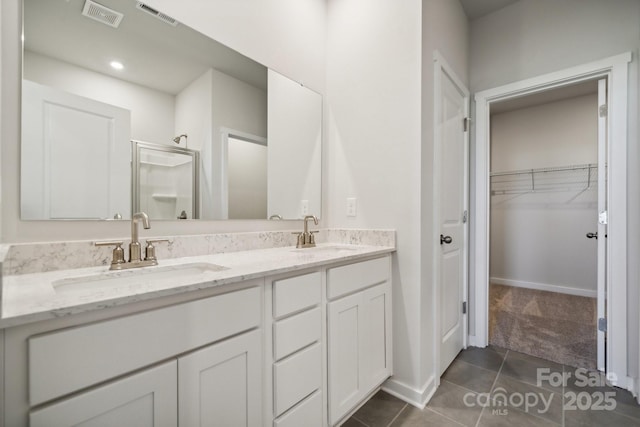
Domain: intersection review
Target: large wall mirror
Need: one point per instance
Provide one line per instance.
(102, 78)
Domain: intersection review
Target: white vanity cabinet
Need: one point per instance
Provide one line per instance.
(216, 386)
(331, 341)
(192, 363)
(297, 350)
(303, 348)
(147, 398)
(220, 385)
(359, 332)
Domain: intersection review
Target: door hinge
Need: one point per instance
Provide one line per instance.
(602, 324)
(465, 216)
(465, 124)
(603, 110)
(603, 218)
(464, 307)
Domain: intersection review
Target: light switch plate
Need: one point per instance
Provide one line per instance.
(351, 206)
(304, 207)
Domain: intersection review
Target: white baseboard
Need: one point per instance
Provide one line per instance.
(544, 287)
(416, 397)
(474, 341)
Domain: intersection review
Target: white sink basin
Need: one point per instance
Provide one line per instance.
(113, 279)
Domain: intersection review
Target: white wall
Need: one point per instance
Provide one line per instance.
(151, 110)
(286, 35)
(533, 37)
(373, 144)
(538, 239)
(380, 142)
(556, 134)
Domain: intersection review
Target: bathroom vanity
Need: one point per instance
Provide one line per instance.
(280, 336)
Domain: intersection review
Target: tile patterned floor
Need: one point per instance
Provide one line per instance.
(503, 388)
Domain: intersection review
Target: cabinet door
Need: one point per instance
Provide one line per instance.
(221, 385)
(344, 338)
(359, 347)
(148, 398)
(376, 325)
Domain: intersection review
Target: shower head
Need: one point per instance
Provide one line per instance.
(179, 137)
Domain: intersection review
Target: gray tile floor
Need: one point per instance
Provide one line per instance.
(496, 387)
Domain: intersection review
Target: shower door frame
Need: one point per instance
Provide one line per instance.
(615, 69)
(136, 146)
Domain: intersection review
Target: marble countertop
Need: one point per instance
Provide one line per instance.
(28, 298)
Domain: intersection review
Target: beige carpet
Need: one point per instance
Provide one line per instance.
(553, 326)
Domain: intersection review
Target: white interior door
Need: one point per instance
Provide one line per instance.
(75, 156)
(602, 222)
(451, 143)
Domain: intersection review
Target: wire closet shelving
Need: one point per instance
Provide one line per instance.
(566, 178)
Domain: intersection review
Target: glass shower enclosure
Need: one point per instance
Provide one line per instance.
(165, 181)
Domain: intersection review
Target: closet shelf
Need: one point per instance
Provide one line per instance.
(566, 178)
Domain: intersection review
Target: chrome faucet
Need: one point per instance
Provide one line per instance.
(135, 254)
(306, 238)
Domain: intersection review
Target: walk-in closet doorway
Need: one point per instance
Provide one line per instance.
(612, 170)
(544, 194)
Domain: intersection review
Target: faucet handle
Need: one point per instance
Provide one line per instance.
(118, 252)
(150, 250)
(301, 240)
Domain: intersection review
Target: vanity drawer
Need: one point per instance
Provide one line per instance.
(296, 378)
(296, 332)
(71, 359)
(353, 277)
(307, 413)
(296, 293)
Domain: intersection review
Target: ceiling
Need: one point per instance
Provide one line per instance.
(154, 54)
(478, 8)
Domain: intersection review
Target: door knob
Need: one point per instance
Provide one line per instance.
(592, 235)
(445, 239)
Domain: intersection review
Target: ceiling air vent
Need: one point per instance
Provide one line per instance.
(156, 14)
(102, 14)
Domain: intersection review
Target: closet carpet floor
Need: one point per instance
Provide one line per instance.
(549, 325)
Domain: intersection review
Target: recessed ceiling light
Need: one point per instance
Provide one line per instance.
(116, 65)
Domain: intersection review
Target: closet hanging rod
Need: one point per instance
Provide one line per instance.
(542, 170)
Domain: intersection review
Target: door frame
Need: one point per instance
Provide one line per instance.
(440, 67)
(225, 134)
(615, 68)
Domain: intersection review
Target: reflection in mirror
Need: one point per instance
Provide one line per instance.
(246, 175)
(295, 138)
(81, 109)
(74, 162)
(165, 181)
